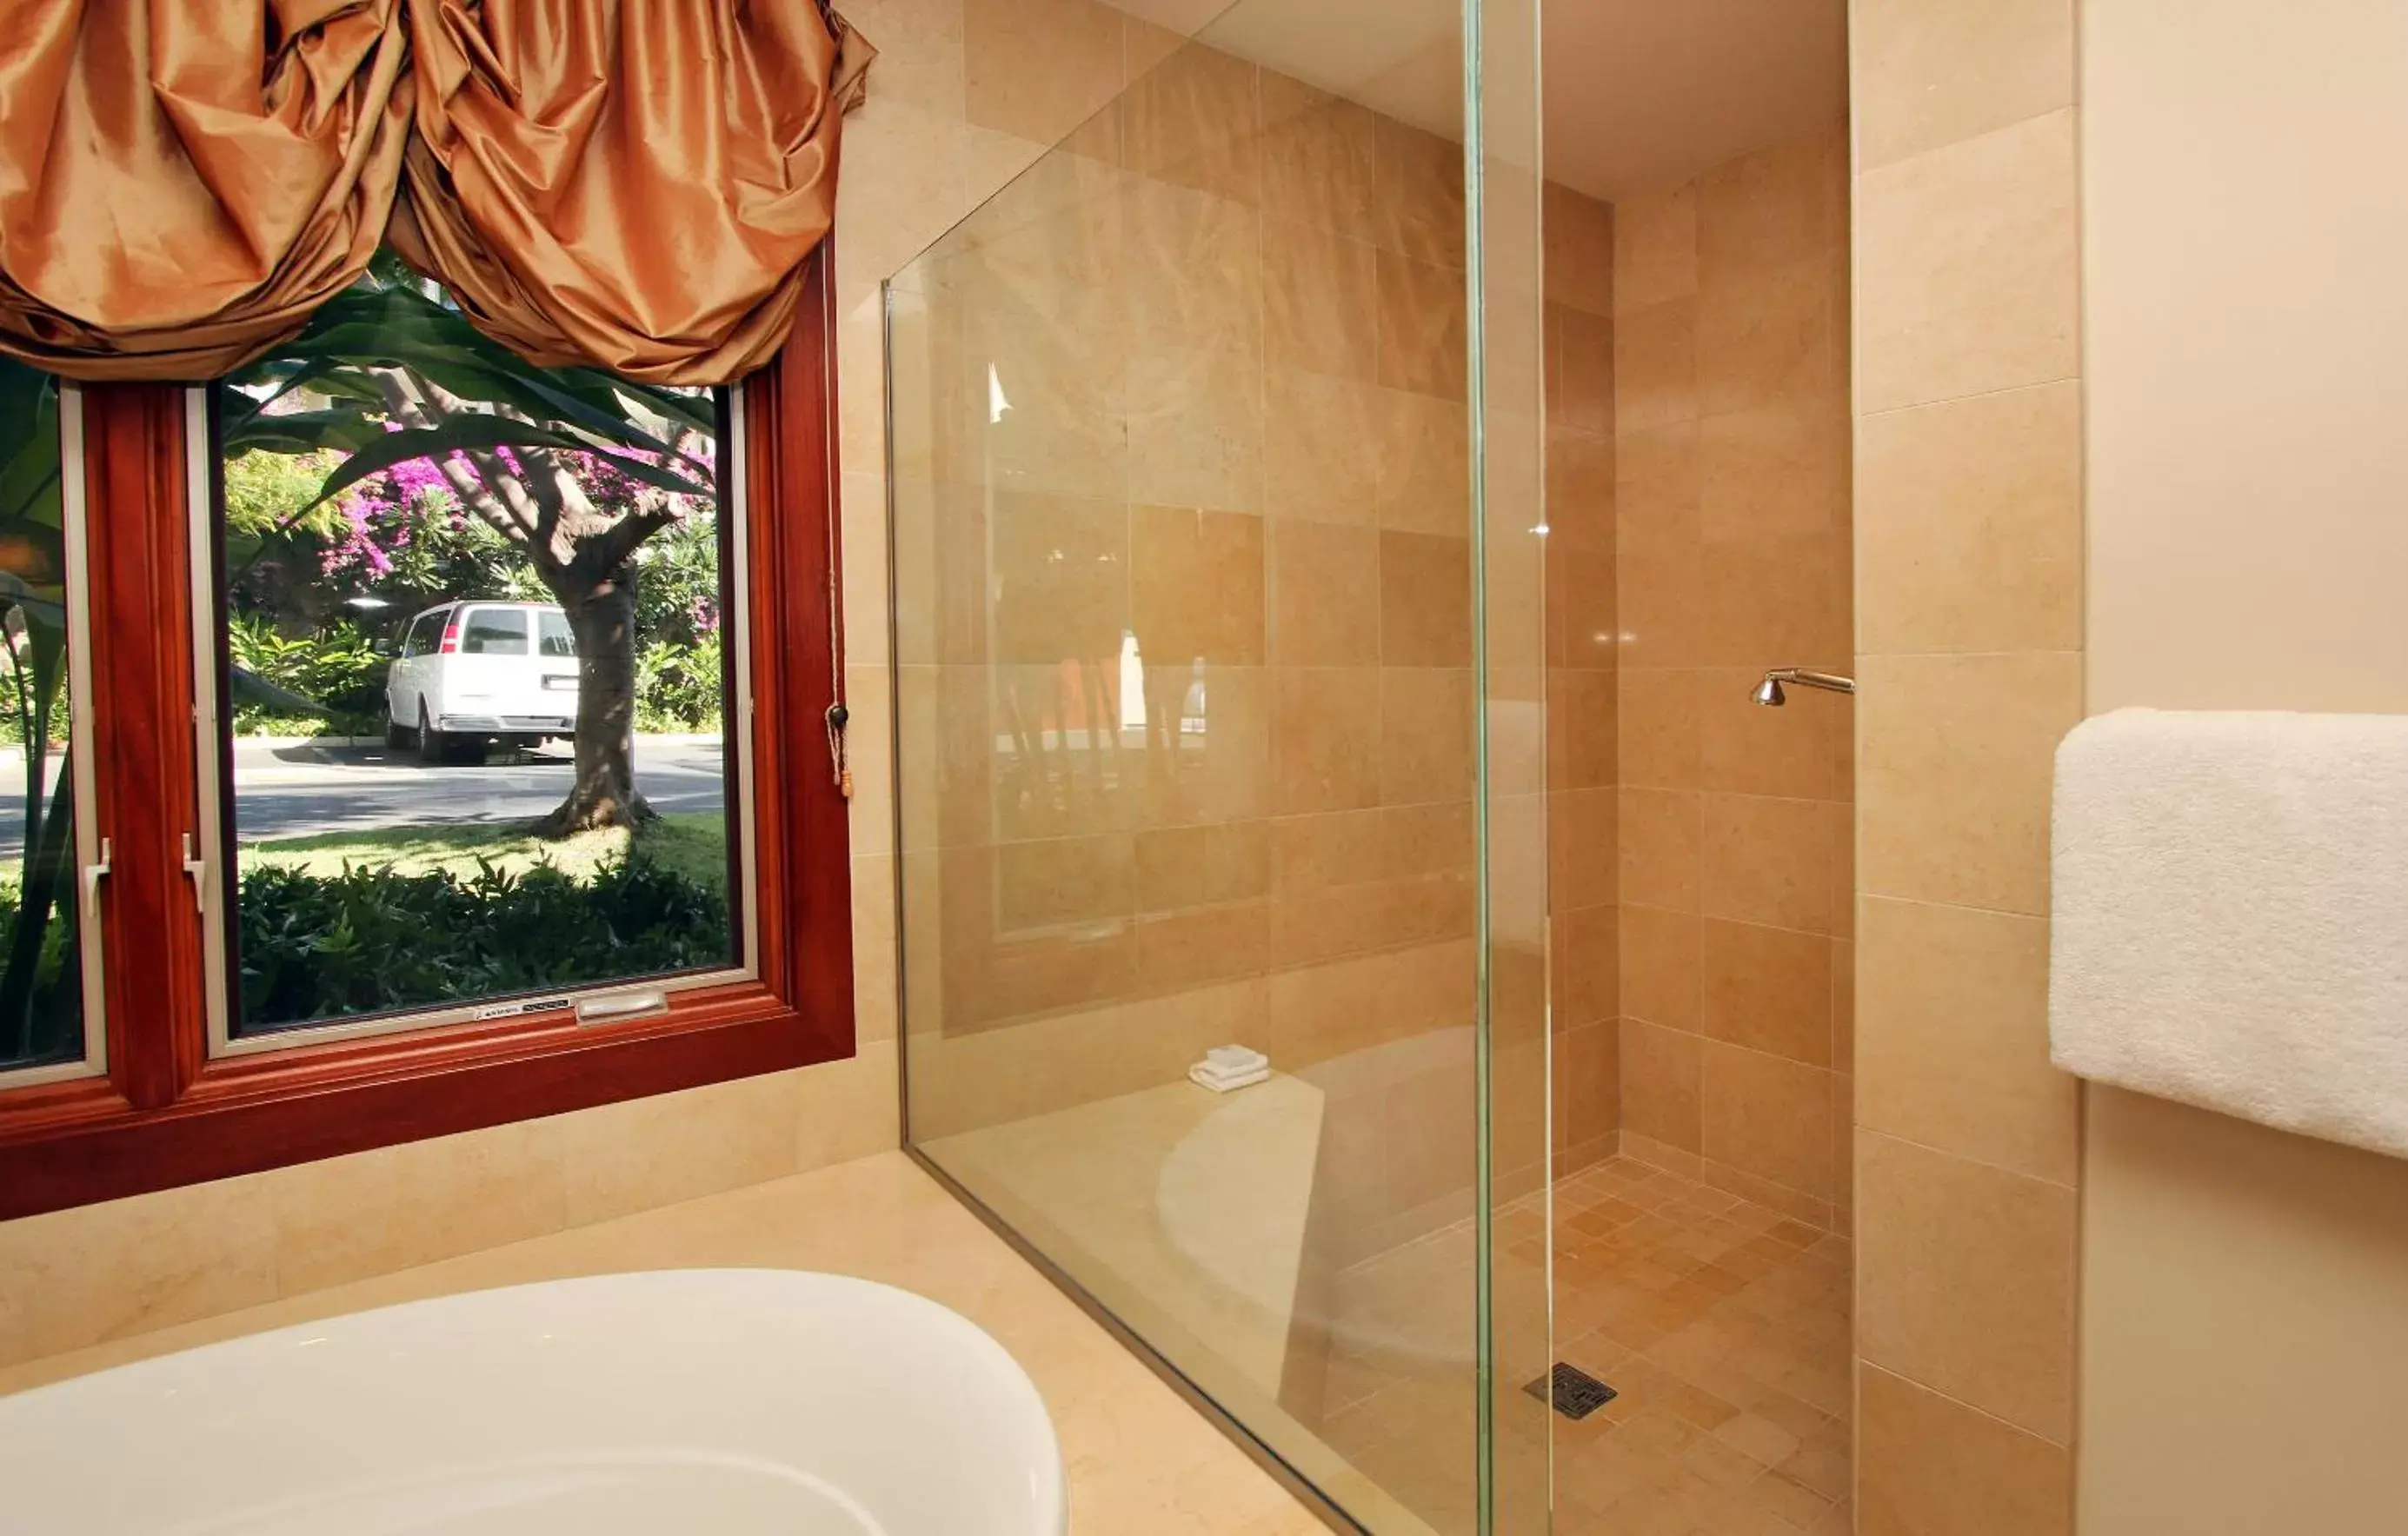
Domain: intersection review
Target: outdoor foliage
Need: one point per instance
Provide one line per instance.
(337, 669)
(373, 939)
(40, 990)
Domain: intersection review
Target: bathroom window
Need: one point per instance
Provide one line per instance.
(392, 824)
(419, 815)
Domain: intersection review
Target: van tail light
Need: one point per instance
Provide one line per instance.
(450, 643)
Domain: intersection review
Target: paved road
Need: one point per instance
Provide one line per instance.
(291, 790)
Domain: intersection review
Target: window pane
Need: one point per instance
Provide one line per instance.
(41, 982)
(497, 632)
(475, 689)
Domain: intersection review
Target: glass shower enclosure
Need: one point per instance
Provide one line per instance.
(1216, 454)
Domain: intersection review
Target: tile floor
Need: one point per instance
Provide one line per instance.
(1724, 1326)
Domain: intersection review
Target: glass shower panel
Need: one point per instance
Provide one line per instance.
(1215, 475)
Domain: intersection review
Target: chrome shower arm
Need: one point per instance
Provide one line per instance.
(1769, 691)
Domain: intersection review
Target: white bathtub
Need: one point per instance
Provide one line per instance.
(736, 1402)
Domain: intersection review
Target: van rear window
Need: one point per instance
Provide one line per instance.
(557, 639)
(496, 632)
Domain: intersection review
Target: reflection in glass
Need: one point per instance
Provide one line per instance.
(41, 984)
(476, 673)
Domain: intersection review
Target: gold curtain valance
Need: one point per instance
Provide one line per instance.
(182, 182)
(634, 184)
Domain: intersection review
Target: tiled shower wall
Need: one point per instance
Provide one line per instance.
(1730, 436)
(1180, 488)
(1970, 643)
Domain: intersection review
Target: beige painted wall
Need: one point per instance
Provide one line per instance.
(2245, 1292)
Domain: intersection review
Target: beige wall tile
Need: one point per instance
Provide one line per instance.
(82, 1276)
(1325, 612)
(876, 964)
(1421, 336)
(1953, 778)
(1659, 727)
(1767, 989)
(1766, 1116)
(1582, 735)
(373, 1212)
(1065, 881)
(1197, 585)
(1321, 308)
(1425, 473)
(1655, 249)
(1967, 274)
(647, 1151)
(1582, 601)
(1580, 369)
(1425, 599)
(1589, 1060)
(1662, 967)
(1039, 68)
(1427, 723)
(1325, 736)
(1202, 865)
(1965, 1280)
(1195, 429)
(1061, 578)
(848, 1109)
(1953, 1017)
(1931, 1467)
(1580, 489)
(1659, 1084)
(1926, 75)
(1660, 832)
(1656, 364)
(1968, 519)
(1773, 469)
(1579, 232)
(1419, 206)
(1322, 455)
(1765, 861)
(1746, 749)
(1583, 826)
(1317, 157)
(919, 51)
(1194, 119)
(1587, 966)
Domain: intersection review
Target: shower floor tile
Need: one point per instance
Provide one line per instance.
(1724, 1328)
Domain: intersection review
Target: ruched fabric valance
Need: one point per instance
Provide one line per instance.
(633, 184)
(182, 182)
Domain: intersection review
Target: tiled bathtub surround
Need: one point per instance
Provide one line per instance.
(1732, 461)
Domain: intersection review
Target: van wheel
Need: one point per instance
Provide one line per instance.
(396, 735)
(434, 746)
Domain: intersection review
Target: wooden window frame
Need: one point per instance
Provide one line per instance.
(165, 1113)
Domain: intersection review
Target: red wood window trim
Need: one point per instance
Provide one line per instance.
(165, 1114)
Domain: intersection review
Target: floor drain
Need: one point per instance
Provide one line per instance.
(1574, 1392)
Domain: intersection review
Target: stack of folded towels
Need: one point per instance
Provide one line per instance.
(1228, 1066)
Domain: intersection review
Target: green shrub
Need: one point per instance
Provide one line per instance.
(373, 939)
(679, 685)
(336, 667)
(54, 1010)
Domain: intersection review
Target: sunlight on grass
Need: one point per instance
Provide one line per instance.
(693, 843)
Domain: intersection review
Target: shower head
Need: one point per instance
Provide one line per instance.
(1771, 694)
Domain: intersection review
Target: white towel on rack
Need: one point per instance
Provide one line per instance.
(2229, 915)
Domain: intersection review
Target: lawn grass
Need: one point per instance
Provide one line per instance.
(691, 843)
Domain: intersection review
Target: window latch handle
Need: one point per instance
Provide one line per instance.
(92, 875)
(199, 870)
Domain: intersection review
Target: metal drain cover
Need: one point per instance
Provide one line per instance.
(1574, 1392)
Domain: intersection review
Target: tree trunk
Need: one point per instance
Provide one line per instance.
(603, 618)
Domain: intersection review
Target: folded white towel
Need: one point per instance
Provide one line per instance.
(2230, 916)
(1226, 1081)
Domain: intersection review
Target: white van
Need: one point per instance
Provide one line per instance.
(469, 674)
